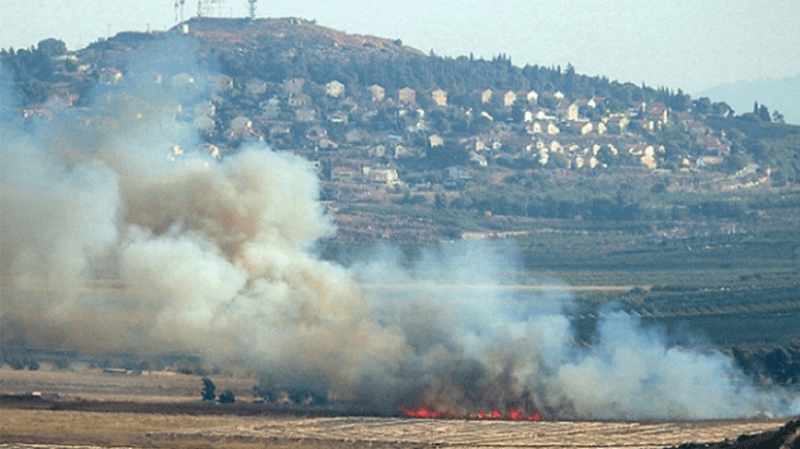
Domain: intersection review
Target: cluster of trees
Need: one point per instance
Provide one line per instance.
(542, 204)
(18, 358)
(534, 206)
(209, 393)
(763, 138)
(780, 364)
(34, 70)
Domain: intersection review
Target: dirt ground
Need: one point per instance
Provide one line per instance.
(26, 425)
(94, 384)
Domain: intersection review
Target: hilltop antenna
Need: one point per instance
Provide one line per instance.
(206, 8)
(252, 9)
(179, 6)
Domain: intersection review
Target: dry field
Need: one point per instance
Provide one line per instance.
(94, 384)
(70, 429)
(29, 428)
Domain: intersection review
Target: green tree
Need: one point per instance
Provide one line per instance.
(736, 162)
(440, 201)
(209, 390)
(227, 397)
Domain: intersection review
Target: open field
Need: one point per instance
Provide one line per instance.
(94, 384)
(169, 414)
(179, 431)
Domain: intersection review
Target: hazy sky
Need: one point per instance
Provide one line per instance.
(687, 44)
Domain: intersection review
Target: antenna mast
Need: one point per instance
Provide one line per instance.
(207, 8)
(179, 6)
(252, 9)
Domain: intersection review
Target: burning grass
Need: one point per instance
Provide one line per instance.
(425, 412)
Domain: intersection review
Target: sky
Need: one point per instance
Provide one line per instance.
(680, 44)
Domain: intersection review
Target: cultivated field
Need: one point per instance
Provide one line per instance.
(27, 426)
(154, 430)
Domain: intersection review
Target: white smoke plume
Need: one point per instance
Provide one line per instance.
(108, 245)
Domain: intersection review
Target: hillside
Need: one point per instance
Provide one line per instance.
(417, 148)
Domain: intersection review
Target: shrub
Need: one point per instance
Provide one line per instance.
(227, 397)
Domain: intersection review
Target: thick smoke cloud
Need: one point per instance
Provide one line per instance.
(481, 347)
(107, 244)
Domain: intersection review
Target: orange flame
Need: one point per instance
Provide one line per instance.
(425, 412)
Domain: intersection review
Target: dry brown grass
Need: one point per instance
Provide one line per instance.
(119, 429)
(126, 430)
(94, 384)
(232, 432)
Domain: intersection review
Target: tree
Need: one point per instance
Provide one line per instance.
(736, 162)
(702, 105)
(777, 117)
(763, 113)
(440, 201)
(227, 397)
(209, 390)
(722, 109)
(52, 47)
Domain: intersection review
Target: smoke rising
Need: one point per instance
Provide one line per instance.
(107, 244)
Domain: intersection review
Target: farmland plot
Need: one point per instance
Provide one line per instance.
(151, 430)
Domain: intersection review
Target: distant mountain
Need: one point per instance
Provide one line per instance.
(781, 94)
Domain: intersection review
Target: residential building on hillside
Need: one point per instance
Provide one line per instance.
(384, 176)
(205, 108)
(658, 112)
(342, 174)
(600, 127)
(509, 98)
(377, 92)
(298, 100)
(581, 128)
(435, 140)
(567, 112)
(617, 123)
(540, 127)
(293, 86)
(334, 89)
(439, 96)
(256, 87)
(407, 95)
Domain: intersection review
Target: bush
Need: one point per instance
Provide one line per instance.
(61, 364)
(227, 397)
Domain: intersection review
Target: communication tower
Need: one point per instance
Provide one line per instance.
(179, 6)
(208, 8)
(252, 4)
